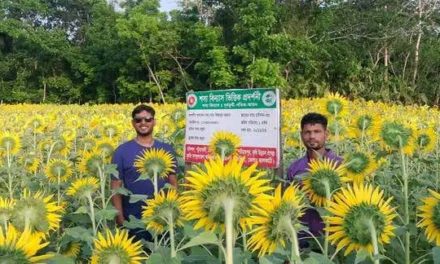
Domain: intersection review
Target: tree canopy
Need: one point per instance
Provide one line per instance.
(77, 51)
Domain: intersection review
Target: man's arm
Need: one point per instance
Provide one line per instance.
(172, 179)
(117, 201)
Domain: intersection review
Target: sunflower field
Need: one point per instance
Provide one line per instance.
(381, 205)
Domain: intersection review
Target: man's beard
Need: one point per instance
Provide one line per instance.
(146, 134)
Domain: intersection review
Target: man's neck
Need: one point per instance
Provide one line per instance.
(146, 141)
(316, 154)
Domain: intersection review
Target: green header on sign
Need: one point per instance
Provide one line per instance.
(232, 99)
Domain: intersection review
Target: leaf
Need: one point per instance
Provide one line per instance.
(361, 256)
(201, 239)
(199, 255)
(163, 255)
(134, 223)
(122, 190)
(111, 169)
(107, 214)
(60, 259)
(81, 210)
(134, 198)
(80, 233)
(436, 255)
(316, 258)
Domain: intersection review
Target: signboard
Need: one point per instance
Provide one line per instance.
(252, 114)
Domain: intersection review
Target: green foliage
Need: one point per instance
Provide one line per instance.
(87, 51)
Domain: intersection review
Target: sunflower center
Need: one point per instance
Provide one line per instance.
(224, 147)
(93, 164)
(364, 122)
(356, 223)
(321, 178)
(334, 107)
(218, 191)
(277, 227)
(10, 256)
(110, 131)
(114, 255)
(8, 143)
(165, 210)
(436, 215)
(358, 162)
(31, 212)
(423, 140)
(154, 165)
(393, 132)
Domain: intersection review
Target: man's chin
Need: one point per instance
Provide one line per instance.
(145, 134)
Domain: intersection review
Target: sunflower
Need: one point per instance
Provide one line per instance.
(224, 143)
(9, 143)
(90, 162)
(72, 250)
(30, 162)
(363, 125)
(178, 116)
(87, 143)
(110, 129)
(6, 209)
(37, 124)
(105, 146)
(355, 211)
(274, 219)
(37, 212)
(58, 168)
(426, 140)
(117, 248)
(83, 187)
(322, 175)
(359, 165)
(430, 214)
(393, 135)
(334, 105)
(158, 211)
(209, 189)
(21, 247)
(154, 161)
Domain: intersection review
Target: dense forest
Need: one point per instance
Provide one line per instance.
(79, 51)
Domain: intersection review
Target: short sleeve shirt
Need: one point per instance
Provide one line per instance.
(124, 158)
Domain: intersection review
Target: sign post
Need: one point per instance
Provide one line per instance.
(251, 114)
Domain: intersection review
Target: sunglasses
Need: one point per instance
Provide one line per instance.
(139, 119)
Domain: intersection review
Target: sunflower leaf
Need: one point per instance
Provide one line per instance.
(80, 233)
(107, 214)
(201, 239)
(315, 258)
(436, 255)
(134, 198)
(60, 259)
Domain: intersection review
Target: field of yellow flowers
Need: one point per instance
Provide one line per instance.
(382, 205)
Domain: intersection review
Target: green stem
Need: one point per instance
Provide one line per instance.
(406, 204)
(155, 182)
(228, 206)
(58, 186)
(103, 182)
(244, 245)
(172, 237)
(374, 241)
(92, 213)
(295, 257)
(10, 179)
(327, 224)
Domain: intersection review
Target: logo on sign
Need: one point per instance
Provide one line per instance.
(269, 98)
(191, 101)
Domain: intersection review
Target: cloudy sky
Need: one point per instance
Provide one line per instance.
(167, 5)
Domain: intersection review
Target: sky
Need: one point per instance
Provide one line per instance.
(168, 5)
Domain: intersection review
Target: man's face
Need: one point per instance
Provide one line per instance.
(314, 136)
(143, 123)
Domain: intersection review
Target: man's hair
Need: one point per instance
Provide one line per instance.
(142, 107)
(314, 118)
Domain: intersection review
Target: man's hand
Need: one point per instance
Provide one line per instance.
(117, 202)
